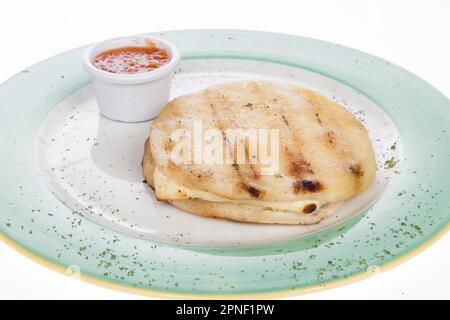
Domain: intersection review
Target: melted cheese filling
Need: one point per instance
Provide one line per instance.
(167, 189)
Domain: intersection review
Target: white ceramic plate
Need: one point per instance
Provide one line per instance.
(93, 164)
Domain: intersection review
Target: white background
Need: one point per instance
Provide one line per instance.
(412, 34)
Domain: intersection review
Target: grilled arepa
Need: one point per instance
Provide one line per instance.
(324, 155)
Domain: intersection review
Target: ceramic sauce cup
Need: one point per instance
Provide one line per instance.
(131, 96)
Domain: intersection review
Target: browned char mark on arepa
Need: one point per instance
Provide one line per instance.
(246, 172)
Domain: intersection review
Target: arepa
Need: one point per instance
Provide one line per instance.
(324, 154)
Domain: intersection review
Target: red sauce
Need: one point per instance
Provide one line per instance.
(130, 60)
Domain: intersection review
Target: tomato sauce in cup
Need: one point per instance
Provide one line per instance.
(131, 59)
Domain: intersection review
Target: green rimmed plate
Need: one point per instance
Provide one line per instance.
(59, 190)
